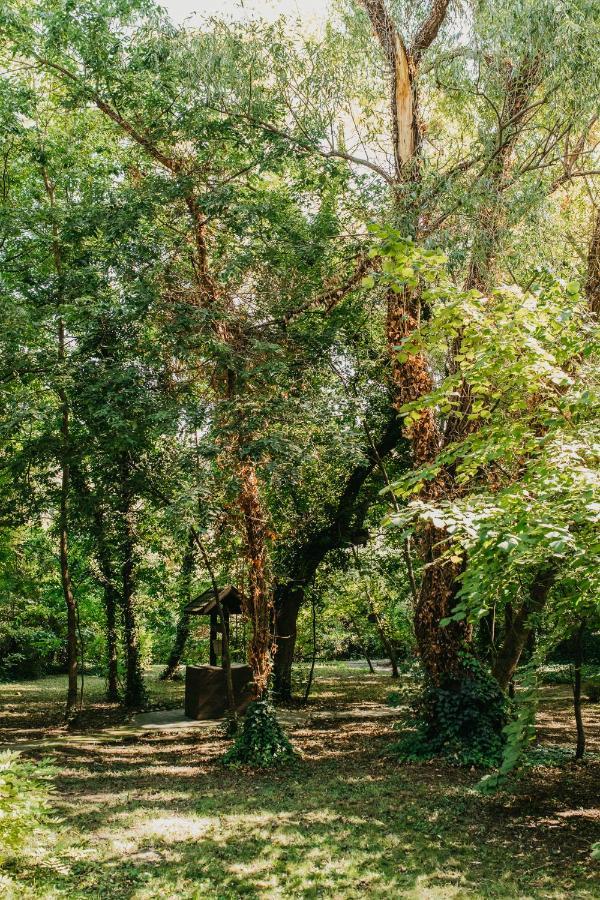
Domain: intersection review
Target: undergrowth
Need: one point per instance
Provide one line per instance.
(261, 742)
(461, 723)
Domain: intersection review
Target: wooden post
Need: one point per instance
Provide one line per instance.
(213, 637)
(225, 635)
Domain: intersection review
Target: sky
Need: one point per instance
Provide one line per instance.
(311, 11)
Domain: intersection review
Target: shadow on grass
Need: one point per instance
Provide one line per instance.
(350, 824)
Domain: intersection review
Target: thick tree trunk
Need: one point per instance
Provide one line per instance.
(259, 598)
(520, 627)
(288, 600)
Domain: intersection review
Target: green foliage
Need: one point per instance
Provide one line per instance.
(24, 791)
(520, 732)
(461, 723)
(261, 743)
(591, 689)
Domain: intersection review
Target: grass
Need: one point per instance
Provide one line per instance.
(160, 817)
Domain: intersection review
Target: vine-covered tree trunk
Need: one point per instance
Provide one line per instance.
(111, 601)
(411, 378)
(135, 693)
(65, 575)
(111, 598)
(65, 482)
(259, 601)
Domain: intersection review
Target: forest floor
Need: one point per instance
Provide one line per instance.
(158, 816)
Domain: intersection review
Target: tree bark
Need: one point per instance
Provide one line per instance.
(65, 573)
(288, 599)
(259, 597)
(183, 624)
(65, 477)
(577, 664)
(345, 527)
(111, 603)
(135, 692)
(520, 626)
(592, 285)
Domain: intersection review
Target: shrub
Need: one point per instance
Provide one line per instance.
(24, 790)
(591, 689)
(261, 743)
(26, 652)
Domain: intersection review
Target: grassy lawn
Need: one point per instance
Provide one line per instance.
(159, 817)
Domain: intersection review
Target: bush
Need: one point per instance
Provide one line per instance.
(461, 723)
(261, 743)
(591, 689)
(26, 652)
(24, 790)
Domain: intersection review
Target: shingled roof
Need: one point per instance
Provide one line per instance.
(229, 596)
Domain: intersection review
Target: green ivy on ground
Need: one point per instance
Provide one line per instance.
(261, 743)
(462, 723)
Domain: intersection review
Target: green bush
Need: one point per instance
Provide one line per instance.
(24, 790)
(27, 652)
(461, 723)
(591, 689)
(261, 743)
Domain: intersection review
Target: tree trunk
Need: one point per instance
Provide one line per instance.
(345, 527)
(111, 603)
(135, 693)
(111, 600)
(521, 626)
(66, 575)
(182, 633)
(259, 599)
(592, 286)
(183, 625)
(577, 664)
(288, 600)
(65, 451)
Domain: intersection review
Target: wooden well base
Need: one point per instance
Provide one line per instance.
(206, 690)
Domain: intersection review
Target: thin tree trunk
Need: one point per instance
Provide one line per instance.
(65, 573)
(577, 664)
(65, 449)
(183, 625)
(314, 649)
(135, 692)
